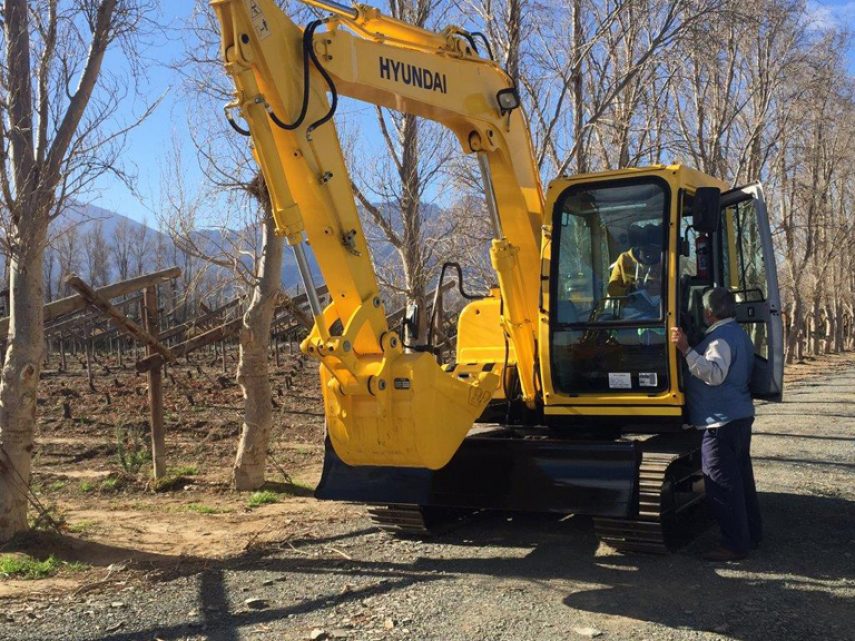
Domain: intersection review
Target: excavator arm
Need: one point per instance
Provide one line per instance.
(384, 406)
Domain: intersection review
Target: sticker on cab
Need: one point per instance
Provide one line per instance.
(648, 379)
(620, 380)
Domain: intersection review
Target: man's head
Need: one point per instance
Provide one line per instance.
(719, 303)
(650, 249)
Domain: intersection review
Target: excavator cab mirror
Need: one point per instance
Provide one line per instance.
(411, 323)
(508, 100)
(706, 209)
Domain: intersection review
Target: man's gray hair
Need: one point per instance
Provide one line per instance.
(720, 302)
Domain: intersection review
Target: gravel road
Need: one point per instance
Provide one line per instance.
(514, 577)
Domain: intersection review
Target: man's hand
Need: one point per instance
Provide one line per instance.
(679, 339)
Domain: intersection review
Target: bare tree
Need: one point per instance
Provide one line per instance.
(51, 269)
(121, 248)
(253, 258)
(253, 369)
(68, 250)
(53, 143)
(141, 248)
(96, 255)
(393, 191)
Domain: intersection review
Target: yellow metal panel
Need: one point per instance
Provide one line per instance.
(419, 419)
(480, 337)
(628, 410)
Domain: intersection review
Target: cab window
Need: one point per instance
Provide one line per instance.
(608, 300)
(611, 243)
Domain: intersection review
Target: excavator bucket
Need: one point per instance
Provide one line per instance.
(419, 419)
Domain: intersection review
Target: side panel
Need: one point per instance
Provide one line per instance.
(748, 268)
(480, 335)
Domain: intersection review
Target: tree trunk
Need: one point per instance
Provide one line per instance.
(796, 330)
(840, 335)
(20, 375)
(252, 373)
(578, 90)
(818, 329)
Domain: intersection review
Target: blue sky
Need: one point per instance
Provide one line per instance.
(148, 146)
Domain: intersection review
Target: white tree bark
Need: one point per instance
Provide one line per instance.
(20, 376)
(253, 367)
(33, 162)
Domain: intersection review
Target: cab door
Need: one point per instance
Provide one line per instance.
(747, 268)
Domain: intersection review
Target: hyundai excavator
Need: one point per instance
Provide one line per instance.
(565, 394)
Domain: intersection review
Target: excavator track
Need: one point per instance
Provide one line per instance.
(418, 521)
(670, 504)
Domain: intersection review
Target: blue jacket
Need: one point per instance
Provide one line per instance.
(715, 405)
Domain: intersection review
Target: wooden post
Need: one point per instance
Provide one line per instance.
(63, 366)
(117, 317)
(71, 304)
(87, 346)
(155, 387)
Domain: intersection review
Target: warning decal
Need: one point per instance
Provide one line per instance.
(259, 22)
(648, 379)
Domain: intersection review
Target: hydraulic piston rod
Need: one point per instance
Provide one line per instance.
(308, 280)
(337, 8)
(490, 195)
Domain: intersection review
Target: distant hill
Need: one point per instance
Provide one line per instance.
(163, 253)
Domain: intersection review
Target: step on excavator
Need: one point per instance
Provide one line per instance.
(565, 394)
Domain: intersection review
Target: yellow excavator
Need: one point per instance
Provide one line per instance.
(565, 394)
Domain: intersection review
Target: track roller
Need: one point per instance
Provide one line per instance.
(416, 520)
(670, 503)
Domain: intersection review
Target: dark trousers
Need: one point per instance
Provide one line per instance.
(729, 481)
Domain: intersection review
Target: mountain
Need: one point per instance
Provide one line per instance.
(156, 249)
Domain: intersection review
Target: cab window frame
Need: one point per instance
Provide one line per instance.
(741, 291)
(558, 212)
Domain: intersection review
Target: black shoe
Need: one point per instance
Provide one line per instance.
(721, 555)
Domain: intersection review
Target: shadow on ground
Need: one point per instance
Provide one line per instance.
(789, 589)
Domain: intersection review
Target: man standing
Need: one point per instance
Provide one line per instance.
(719, 401)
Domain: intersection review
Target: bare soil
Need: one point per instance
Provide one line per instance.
(185, 563)
(111, 514)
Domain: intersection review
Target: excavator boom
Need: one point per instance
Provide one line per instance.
(384, 406)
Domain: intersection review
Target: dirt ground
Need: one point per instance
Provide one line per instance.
(186, 562)
(110, 511)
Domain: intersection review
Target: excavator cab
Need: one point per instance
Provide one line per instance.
(628, 256)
